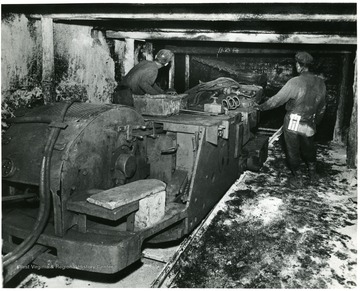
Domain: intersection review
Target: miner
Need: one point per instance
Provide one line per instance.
(304, 96)
(141, 79)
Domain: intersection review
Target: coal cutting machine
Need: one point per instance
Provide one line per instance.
(85, 186)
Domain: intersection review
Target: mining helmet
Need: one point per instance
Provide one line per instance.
(304, 58)
(164, 56)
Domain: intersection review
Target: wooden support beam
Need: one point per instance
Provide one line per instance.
(234, 36)
(119, 50)
(172, 73)
(47, 60)
(187, 72)
(137, 49)
(129, 56)
(229, 17)
(352, 143)
(149, 51)
(338, 129)
(222, 50)
(145, 49)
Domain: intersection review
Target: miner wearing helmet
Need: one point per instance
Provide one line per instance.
(141, 79)
(304, 96)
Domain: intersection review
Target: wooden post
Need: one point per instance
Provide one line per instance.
(129, 56)
(146, 49)
(137, 49)
(149, 51)
(351, 150)
(47, 60)
(119, 59)
(187, 71)
(172, 73)
(338, 129)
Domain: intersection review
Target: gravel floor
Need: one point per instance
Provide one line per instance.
(267, 235)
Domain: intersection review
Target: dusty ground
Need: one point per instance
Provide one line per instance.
(270, 236)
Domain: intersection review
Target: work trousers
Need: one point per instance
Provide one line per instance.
(298, 147)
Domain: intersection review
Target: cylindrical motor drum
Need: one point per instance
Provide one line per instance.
(85, 151)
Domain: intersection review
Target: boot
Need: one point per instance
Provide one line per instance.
(296, 181)
(312, 172)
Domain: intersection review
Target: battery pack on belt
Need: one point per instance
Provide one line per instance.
(294, 122)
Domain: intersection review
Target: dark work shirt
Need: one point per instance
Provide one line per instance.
(141, 79)
(303, 95)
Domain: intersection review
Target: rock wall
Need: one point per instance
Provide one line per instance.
(83, 64)
(17, 62)
(84, 68)
(19, 66)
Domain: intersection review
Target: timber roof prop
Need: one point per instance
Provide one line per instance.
(310, 23)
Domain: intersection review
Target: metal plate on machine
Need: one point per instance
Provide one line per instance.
(212, 133)
(215, 170)
(185, 128)
(193, 119)
(216, 126)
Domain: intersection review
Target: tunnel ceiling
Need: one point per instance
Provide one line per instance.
(312, 23)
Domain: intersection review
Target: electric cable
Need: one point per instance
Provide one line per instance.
(44, 192)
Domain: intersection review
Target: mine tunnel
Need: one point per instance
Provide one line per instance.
(92, 184)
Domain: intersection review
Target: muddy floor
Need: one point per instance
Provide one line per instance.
(268, 235)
